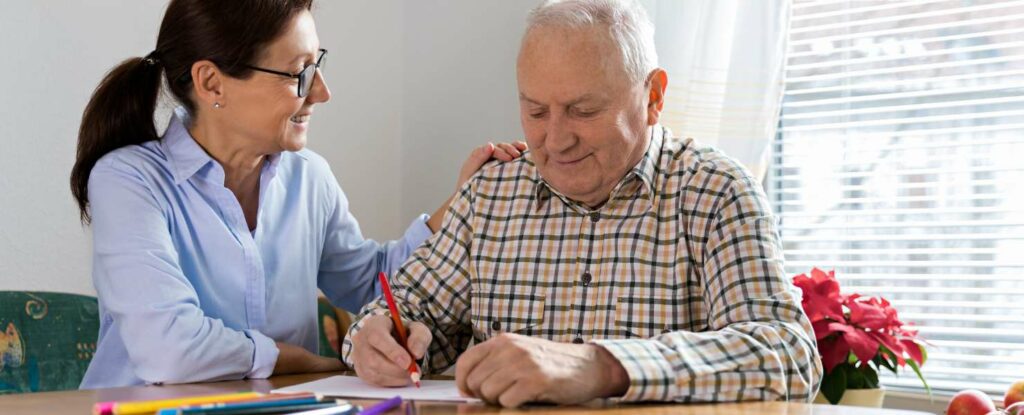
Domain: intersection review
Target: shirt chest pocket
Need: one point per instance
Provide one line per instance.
(506, 311)
(647, 317)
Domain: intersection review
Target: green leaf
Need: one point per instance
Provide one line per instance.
(917, 370)
(889, 359)
(855, 379)
(871, 376)
(924, 354)
(834, 384)
(879, 361)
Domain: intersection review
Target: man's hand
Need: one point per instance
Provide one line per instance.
(377, 356)
(511, 370)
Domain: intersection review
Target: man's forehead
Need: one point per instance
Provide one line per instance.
(549, 53)
(596, 40)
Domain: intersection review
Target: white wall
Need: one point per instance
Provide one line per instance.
(358, 131)
(54, 54)
(416, 85)
(460, 90)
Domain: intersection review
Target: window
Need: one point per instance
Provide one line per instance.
(900, 163)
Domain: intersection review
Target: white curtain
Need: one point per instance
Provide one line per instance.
(725, 61)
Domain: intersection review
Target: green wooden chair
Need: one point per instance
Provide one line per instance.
(47, 339)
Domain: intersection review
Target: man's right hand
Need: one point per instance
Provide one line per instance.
(377, 356)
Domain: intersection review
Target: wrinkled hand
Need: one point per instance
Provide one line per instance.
(484, 153)
(377, 356)
(511, 370)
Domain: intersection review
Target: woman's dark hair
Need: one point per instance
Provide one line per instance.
(120, 113)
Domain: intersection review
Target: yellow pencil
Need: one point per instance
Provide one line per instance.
(150, 407)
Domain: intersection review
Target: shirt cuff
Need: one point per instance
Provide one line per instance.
(417, 232)
(264, 355)
(651, 376)
(370, 310)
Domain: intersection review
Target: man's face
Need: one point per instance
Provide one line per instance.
(584, 118)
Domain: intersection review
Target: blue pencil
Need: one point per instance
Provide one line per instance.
(229, 407)
(346, 409)
(285, 409)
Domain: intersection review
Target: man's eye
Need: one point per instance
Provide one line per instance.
(538, 114)
(586, 113)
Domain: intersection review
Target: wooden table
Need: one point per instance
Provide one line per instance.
(80, 402)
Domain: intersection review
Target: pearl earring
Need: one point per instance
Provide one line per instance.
(216, 105)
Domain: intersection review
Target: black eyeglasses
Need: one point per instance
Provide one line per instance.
(305, 76)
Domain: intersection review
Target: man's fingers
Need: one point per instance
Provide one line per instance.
(476, 377)
(517, 394)
(498, 360)
(380, 370)
(521, 145)
(495, 384)
(466, 363)
(382, 341)
(419, 339)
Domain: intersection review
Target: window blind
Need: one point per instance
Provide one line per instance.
(899, 162)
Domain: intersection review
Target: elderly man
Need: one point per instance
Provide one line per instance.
(612, 261)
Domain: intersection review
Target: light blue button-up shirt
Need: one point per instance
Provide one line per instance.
(187, 293)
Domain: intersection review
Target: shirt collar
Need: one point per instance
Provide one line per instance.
(187, 158)
(185, 155)
(644, 172)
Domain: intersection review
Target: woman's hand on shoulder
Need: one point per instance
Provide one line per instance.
(483, 154)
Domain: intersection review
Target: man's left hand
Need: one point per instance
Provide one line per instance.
(511, 370)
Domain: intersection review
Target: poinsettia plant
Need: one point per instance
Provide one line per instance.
(857, 336)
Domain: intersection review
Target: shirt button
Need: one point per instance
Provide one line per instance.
(587, 278)
(578, 340)
(595, 216)
(495, 325)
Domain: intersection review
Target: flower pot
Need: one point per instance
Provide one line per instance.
(871, 398)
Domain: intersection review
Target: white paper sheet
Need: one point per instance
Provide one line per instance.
(353, 387)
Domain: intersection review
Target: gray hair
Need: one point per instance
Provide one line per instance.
(627, 21)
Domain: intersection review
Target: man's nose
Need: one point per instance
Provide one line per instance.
(559, 134)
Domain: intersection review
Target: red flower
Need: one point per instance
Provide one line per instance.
(843, 323)
(821, 295)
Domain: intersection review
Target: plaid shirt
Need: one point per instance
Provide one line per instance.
(679, 275)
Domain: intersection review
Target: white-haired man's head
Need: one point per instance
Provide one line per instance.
(589, 91)
(626, 22)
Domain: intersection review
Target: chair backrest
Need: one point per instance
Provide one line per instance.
(46, 340)
(334, 323)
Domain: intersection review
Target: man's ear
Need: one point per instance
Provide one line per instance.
(208, 84)
(656, 83)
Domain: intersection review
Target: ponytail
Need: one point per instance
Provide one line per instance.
(119, 114)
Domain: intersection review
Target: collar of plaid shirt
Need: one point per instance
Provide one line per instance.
(639, 178)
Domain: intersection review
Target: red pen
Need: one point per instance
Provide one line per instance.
(414, 371)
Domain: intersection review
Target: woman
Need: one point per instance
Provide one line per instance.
(210, 242)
